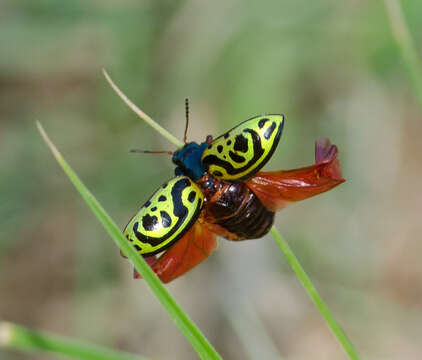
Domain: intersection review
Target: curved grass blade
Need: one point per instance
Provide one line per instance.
(157, 127)
(313, 294)
(19, 338)
(192, 333)
(406, 45)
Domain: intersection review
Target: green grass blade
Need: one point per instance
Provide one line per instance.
(157, 127)
(192, 333)
(313, 293)
(406, 45)
(19, 338)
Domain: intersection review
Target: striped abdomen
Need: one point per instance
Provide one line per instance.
(234, 211)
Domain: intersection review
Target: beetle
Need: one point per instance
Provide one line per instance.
(218, 189)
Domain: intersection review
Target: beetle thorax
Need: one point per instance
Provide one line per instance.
(189, 160)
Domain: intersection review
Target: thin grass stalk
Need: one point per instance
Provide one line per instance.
(192, 333)
(406, 46)
(163, 132)
(313, 294)
(17, 337)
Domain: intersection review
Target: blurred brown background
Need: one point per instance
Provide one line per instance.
(331, 67)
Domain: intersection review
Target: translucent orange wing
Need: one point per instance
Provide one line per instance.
(192, 249)
(277, 189)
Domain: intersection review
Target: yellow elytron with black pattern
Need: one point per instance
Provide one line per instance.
(245, 149)
(166, 216)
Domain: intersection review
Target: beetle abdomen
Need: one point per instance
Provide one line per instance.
(236, 209)
(251, 220)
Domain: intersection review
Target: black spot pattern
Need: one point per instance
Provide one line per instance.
(165, 185)
(262, 122)
(141, 237)
(162, 198)
(226, 135)
(258, 152)
(154, 208)
(257, 161)
(241, 143)
(166, 219)
(220, 148)
(137, 247)
(191, 196)
(269, 131)
(180, 211)
(236, 158)
(148, 203)
(176, 194)
(149, 222)
(229, 143)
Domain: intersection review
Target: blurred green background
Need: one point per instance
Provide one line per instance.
(331, 67)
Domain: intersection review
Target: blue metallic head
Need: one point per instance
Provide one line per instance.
(189, 160)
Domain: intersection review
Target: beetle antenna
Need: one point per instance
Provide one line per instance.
(187, 119)
(151, 152)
